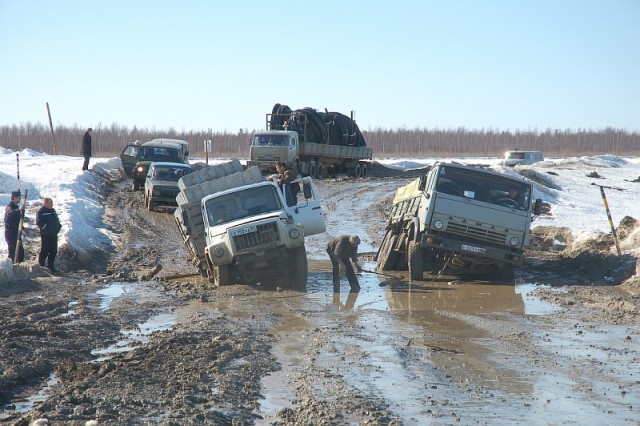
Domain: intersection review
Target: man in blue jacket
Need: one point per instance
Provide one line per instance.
(49, 224)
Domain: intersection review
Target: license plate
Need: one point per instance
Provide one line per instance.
(473, 249)
(243, 231)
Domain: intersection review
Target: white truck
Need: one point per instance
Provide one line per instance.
(467, 220)
(239, 227)
(310, 142)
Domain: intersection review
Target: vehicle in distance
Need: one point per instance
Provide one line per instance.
(161, 184)
(514, 158)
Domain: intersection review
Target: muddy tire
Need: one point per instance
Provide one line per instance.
(387, 257)
(414, 259)
(299, 268)
(357, 171)
(221, 275)
(150, 204)
(364, 171)
(507, 274)
(135, 185)
(312, 169)
(320, 171)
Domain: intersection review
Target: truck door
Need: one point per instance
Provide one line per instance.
(305, 208)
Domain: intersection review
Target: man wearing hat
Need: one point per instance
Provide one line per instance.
(341, 251)
(12, 215)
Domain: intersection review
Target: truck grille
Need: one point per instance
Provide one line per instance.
(477, 232)
(265, 235)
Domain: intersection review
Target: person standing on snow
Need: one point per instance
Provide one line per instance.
(86, 148)
(12, 215)
(341, 251)
(49, 224)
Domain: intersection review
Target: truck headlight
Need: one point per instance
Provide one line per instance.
(294, 234)
(155, 191)
(438, 224)
(218, 252)
(140, 169)
(514, 241)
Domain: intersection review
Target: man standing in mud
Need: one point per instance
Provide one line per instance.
(12, 215)
(342, 251)
(49, 224)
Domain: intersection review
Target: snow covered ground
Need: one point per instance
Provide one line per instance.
(562, 182)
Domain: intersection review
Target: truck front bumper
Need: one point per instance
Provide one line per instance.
(474, 251)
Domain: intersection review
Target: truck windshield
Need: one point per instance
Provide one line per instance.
(169, 172)
(246, 203)
(152, 153)
(483, 187)
(271, 140)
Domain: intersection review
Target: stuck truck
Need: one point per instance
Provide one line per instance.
(311, 142)
(238, 227)
(462, 219)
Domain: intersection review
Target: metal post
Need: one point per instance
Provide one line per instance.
(18, 168)
(53, 135)
(613, 229)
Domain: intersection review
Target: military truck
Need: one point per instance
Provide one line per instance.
(310, 142)
(241, 228)
(462, 219)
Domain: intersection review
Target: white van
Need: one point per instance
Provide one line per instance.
(512, 158)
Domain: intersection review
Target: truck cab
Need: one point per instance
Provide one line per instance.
(270, 146)
(254, 233)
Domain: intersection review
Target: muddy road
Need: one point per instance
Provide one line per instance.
(128, 335)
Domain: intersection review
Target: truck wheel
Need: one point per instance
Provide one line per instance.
(357, 171)
(414, 259)
(320, 171)
(150, 204)
(507, 274)
(299, 268)
(135, 185)
(364, 171)
(387, 257)
(221, 275)
(312, 169)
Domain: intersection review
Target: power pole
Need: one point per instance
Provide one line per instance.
(53, 135)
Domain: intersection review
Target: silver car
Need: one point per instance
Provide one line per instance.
(161, 184)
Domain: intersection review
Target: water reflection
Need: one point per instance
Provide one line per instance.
(350, 302)
(454, 322)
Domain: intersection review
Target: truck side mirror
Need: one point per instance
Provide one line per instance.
(306, 190)
(186, 153)
(423, 182)
(537, 207)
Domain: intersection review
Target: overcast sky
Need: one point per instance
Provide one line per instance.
(193, 65)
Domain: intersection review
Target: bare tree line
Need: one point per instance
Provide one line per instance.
(110, 141)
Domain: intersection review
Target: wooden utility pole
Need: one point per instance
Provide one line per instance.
(53, 135)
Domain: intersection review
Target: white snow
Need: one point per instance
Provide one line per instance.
(575, 198)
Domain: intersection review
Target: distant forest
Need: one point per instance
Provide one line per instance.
(109, 141)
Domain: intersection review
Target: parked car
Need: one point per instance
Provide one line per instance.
(161, 183)
(513, 158)
(136, 159)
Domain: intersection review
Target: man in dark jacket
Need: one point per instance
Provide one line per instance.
(12, 215)
(341, 251)
(86, 148)
(49, 224)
